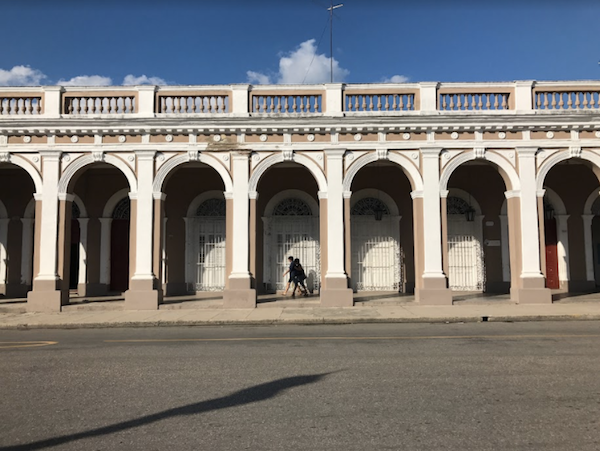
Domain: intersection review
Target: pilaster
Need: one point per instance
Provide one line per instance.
(434, 284)
(336, 292)
(532, 284)
(239, 293)
(142, 293)
(45, 295)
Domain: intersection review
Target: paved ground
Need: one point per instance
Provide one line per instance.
(477, 386)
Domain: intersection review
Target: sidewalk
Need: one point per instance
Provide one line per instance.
(408, 312)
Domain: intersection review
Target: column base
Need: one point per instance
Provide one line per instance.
(335, 293)
(342, 297)
(531, 295)
(45, 301)
(142, 295)
(239, 298)
(435, 291)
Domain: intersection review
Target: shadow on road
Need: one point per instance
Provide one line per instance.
(250, 395)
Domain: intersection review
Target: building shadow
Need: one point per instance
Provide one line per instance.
(250, 395)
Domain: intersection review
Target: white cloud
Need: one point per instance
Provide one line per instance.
(86, 80)
(143, 80)
(21, 76)
(395, 79)
(257, 78)
(303, 65)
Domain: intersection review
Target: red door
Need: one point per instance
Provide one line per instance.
(551, 254)
(119, 255)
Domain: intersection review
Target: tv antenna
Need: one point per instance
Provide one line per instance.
(330, 9)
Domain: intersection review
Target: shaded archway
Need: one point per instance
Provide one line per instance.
(196, 254)
(380, 245)
(473, 225)
(99, 193)
(17, 224)
(288, 221)
(569, 207)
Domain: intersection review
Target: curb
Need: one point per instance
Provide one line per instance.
(306, 322)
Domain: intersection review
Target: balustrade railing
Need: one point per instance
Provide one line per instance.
(83, 104)
(20, 105)
(286, 103)
(193, 103)
(473, 101)
(567, 99)
(379, 102)
(426, 98)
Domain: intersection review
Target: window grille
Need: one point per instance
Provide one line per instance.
(122, 210)
(292, 207)
(211, 207)
(368, 206)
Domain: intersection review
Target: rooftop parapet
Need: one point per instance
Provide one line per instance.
(336, 99)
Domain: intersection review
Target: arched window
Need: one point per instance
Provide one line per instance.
(368, 206)
(211, 207)
(122, 209)
(292, 207)
(457, 206)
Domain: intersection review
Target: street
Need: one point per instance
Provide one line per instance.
(474, 386)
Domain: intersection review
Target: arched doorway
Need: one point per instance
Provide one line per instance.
(291, 228)
(466, 270)
(376, 259)
(119, 246)
(206, 250)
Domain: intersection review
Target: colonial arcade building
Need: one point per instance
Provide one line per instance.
(434, 189)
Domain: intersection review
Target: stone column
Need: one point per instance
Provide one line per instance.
(105, 235)
(336, 292)
(434, 284)
(348, 236)
(142, 293)
(46, 295)
(240, 293)
(159, 242)
(26, 251)
(65, 207)
(3, 253)
(82, 276)
(589, 251)
(532, 288)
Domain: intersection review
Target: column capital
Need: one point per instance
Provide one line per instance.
(347, 194)
(323, 194)
(334, 152)
(512, 193)
(540, 193)
(159, 196)
(416, 194)
(66, 196)
(527, 152)
(145, 155)
(444, 193)
(251, 195)
(431, 152)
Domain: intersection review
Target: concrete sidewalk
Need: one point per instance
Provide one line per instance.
(398, 313)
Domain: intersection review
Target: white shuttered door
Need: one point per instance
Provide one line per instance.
(465, 255)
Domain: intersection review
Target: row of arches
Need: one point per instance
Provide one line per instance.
(380, 250)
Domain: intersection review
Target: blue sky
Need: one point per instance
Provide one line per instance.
(90, 42)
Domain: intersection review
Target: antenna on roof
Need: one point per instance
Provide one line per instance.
(330, 9)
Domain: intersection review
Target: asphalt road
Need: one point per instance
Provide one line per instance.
(487, 386)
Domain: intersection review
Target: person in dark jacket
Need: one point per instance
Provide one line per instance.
(298, 278)
(290, 271)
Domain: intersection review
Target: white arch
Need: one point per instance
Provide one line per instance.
(414, 177)
(200, 198)
(467, 197)
(377, 194)
(272, 160)
(207, 159)
(112, 202)
(556, 201)
(29, 168)
(76, 165)
(292, 193)
(492, 157)
(556, 158)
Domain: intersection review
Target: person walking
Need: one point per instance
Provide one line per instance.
(290, 271)
(298, 278)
